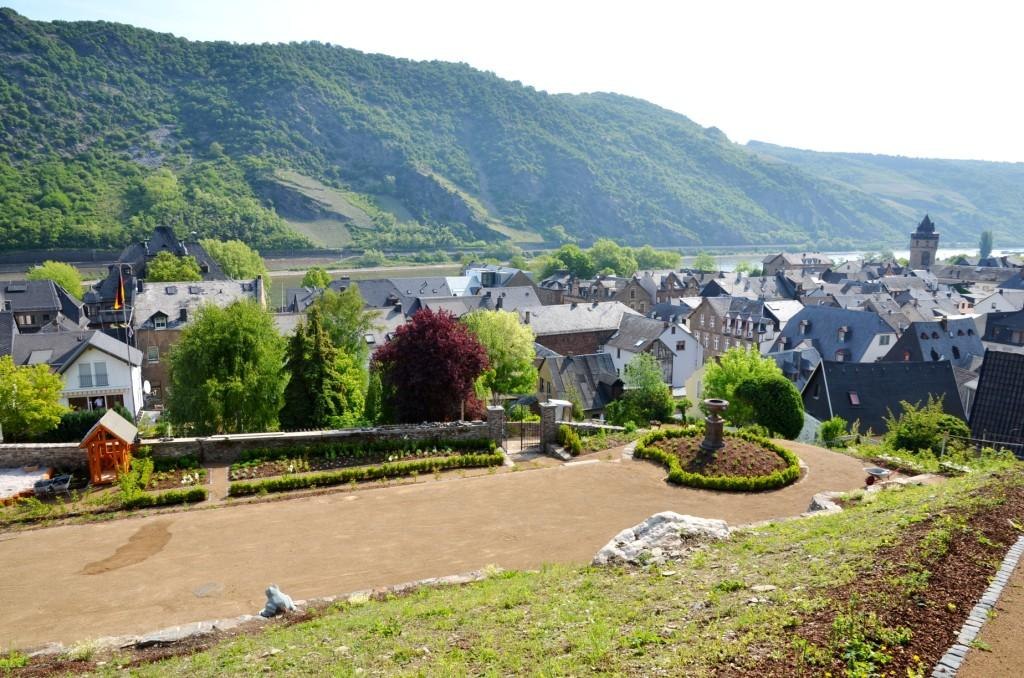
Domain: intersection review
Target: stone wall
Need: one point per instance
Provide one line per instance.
(227, 448)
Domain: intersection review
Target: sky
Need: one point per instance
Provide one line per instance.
(902, 77)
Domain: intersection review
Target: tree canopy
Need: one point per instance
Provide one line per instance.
(346, 320)
(510, 352)
(985, 244)
(316, 277)
(165, 267)
(430, 367)
(239, 261)
(65, 275)
(732, 368)
(705, 263)
(775, 403)
(647, 397)
(29, 399)
(326, 387)
(226, 374)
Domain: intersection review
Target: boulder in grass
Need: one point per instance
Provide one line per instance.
(664, 536)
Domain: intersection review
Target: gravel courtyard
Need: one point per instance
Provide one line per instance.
(72, 582)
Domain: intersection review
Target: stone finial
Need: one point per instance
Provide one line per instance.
(713, 432)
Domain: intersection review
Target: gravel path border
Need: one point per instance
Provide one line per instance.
(950, 662)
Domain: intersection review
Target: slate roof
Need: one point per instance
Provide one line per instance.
(869, 391)
(1015, 282)
(998, 410)
(65, 347)
(298, 299)
(675, 311)
(823, 331)
(390, 291)
(593, 375)
(953, 339)
(798, 364)
(171, 298)
(636, 333)
(8, 329)
(571, 318)
(22, 296)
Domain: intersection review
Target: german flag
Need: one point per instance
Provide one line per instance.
(119, 297)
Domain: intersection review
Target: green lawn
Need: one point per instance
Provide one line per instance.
(691, 618)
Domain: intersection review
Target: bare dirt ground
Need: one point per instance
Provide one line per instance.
(1004, 652)
(72, 582)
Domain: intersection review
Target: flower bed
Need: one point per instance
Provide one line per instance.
(265, 463)
(176, 478)
(747, 463)
(364, 473)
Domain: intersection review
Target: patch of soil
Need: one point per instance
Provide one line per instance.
(935, 613)
(148, 540)
(172, 480)
(279, 467)
(738, 457)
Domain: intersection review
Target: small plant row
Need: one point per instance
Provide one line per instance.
(170, 498)
(367, 452)
(364, 473)
(679, 476)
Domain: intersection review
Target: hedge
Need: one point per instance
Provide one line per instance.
(392, 470)
(169, 498)
(369, 452)
(678, 476)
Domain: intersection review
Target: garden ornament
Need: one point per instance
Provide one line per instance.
(277, 602)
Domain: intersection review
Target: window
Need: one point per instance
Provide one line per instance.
(26, 319)
(618, 353)
(702, 323)
(84, 375)
(153, 354)
(817, 390)
(842, 355)
(854, 398)
(906, 356)
(956, 352)
(541, 389)
(716, 342)
(632, 294)
(680, 345)
(99, 374)
(883, 340)
(160, 321)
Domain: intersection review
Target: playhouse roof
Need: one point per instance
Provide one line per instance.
(116, 425)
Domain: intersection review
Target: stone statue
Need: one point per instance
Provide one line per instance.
(277, 602)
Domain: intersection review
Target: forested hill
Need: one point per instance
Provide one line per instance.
(107, 130)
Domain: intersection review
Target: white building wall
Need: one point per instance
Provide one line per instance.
(121, 380)
(876, 351)
(684, 362)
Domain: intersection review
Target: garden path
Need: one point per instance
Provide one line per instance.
(218, 475)
(1004, 653)
(135, 575)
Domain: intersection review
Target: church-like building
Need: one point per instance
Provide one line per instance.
(924, 243)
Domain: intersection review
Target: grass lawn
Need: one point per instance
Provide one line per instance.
(875, 589)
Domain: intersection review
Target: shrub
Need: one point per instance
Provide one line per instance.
(522, 413)
(363, 473)
(925, 427)
(169, 498)
(570, 440)
(679, 476)
(832, 431)
(75, 424)
(775, 404)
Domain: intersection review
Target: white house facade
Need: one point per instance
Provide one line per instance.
(675, 348)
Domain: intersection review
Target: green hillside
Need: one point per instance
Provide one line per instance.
(969, 195)
(106, 130)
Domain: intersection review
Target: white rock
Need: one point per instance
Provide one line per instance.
(762, 588)
(665, 531)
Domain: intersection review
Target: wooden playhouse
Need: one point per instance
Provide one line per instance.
(109, 445)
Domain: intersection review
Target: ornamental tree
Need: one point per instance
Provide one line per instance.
(346, 320)
(510, 353)
(730, 370)
(775, 402)
(647, 396)
(29, 399)
(65, 275)
(429, 369)
(316, 277)
(326, 387)
(165, 267)
(226, 374)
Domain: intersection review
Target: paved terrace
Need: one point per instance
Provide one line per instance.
(72, 582)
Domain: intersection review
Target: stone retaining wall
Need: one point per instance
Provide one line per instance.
(227, 448)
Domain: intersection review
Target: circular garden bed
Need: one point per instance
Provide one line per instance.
(747, 463)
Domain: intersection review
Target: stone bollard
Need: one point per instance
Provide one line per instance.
(713, 431)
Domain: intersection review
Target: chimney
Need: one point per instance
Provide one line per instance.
(526, 317)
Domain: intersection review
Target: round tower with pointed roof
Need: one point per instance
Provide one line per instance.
(924, 243)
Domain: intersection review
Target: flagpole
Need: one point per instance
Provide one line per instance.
(127, 330)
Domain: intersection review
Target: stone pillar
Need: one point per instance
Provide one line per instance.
(548, 425)
(496, 424)
(713, 430)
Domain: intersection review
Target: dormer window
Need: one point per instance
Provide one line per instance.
(854, 398)
(842, 333)
(805, 326)
(160, 321)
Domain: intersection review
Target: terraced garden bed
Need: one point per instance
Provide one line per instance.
(267, 468)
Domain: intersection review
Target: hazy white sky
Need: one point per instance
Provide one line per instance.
(929, 79)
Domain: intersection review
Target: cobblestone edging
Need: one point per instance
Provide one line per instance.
(176, 634)
(954, 657)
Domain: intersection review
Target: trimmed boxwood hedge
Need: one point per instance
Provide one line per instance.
(365, 452)
(169, 498)
(678, 476)
(393, 470)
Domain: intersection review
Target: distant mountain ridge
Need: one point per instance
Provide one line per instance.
(107, 130)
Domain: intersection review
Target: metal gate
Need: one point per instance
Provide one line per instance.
(521, 436)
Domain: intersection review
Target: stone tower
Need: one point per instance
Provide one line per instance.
(924, 243)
